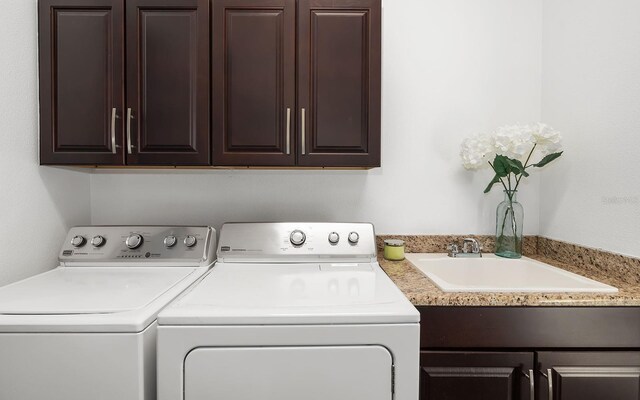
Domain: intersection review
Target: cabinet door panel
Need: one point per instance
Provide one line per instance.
(167, 86)
(463, 376)
(81, 81)
(253, 82)
(591, 375)
(339, 82)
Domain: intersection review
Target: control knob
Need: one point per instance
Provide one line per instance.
(170, 241)
(98, 241)
(334, 238)
(78, 241)
(190, 241)
(297, 238)
(134, 241)
(353, 237)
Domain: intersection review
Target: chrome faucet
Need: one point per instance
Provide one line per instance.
(470, 248)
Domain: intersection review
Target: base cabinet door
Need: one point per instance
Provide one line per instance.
(339, 83)
(167, 118)
(81, 81)
(589, 375)
(476, 375)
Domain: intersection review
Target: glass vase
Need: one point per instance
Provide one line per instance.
(509, 219)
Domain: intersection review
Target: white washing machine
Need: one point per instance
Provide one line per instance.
(291, 311)
(86, 330)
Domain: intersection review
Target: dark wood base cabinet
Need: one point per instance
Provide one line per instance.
(580, 353)
(476, 375)
(596, 375)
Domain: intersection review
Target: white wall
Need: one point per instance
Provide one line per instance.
(37, 204)
(450, 68)
(591, 92)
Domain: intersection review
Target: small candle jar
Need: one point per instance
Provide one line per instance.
(394, 249)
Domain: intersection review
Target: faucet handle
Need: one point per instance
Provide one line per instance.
(453, 248)
(475, 246)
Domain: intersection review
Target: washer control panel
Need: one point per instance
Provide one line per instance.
(291, 242)
(183, 244)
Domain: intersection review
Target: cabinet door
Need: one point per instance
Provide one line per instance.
(590, 375)
(81, 81)
(253, 74)
(167, 82)
(476, 375)
(339, 83)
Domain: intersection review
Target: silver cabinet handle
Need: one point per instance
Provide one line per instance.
(532, 386)
(304, 134)
(549, 377)
(113, 130)
(288, 131)
(130, 147)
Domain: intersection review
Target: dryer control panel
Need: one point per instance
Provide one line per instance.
(141, 244)
(297, 242)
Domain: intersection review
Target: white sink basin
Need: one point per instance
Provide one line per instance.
(495, 274)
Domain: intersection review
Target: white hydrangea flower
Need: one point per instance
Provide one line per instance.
(513, 141)
(476, 151)
(547, 139)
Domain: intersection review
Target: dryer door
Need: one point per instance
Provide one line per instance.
(289, 373)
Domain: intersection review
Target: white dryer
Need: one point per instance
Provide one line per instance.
(86, 330)
(291, 311)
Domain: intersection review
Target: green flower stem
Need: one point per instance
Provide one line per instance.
(514, 224)
(501, 181)
(526, 165)
(501, 237)
(504, 221)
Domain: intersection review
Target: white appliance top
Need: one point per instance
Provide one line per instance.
(291, 294)
(99, 290)
(117, 283)
(325, 289)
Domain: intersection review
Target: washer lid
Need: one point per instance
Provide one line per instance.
(236, 294)
(96, 290)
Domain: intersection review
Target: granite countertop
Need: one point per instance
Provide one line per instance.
(616, 271)
(421, 291)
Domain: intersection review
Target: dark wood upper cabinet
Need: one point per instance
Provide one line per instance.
(475, 375)
(263, 114)
(590, 375)
(277, 83)
(253, 74)
(339, 82)
(167, 119)
(81, 81)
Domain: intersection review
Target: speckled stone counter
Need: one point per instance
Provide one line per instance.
(613, 269)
